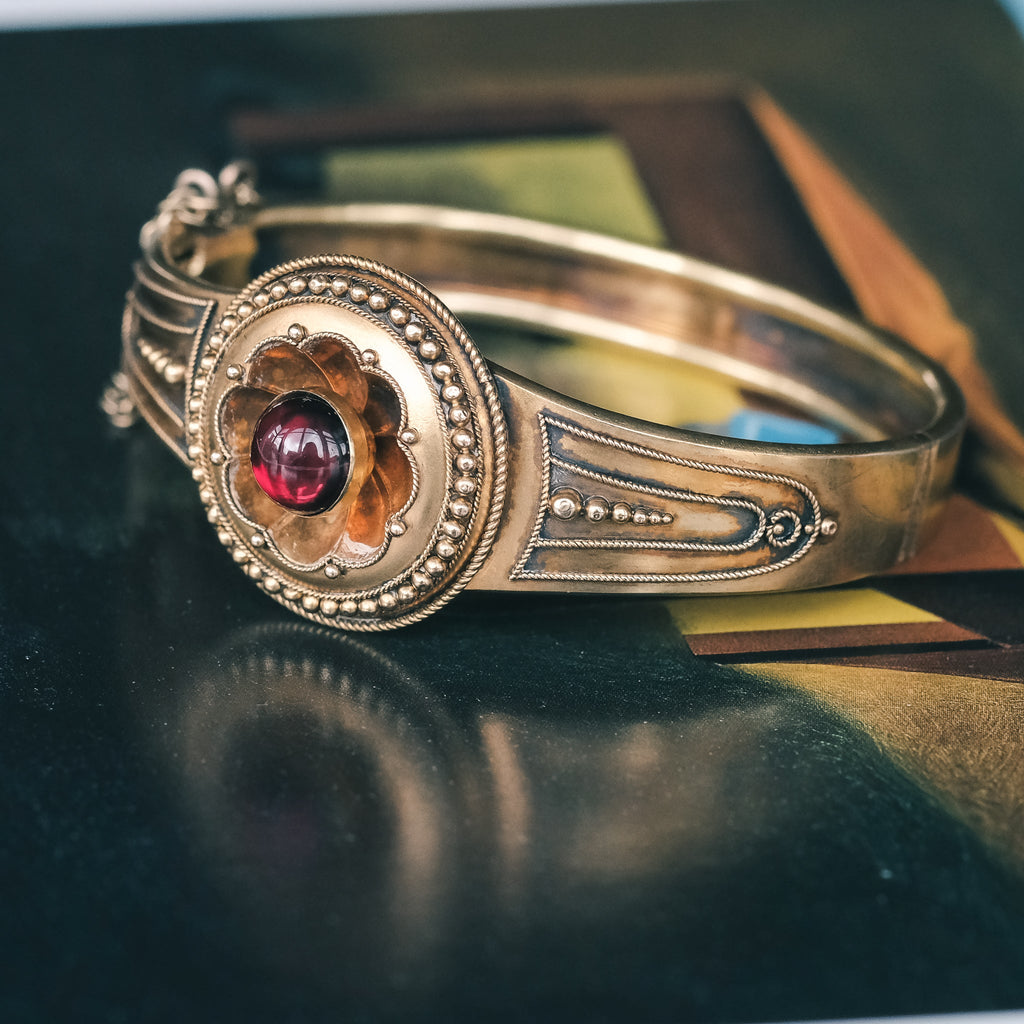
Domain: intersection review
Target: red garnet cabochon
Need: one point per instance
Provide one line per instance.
(301, 454)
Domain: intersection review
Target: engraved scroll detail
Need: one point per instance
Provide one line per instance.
(719, 522)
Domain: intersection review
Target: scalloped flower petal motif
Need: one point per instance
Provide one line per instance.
(354, 530)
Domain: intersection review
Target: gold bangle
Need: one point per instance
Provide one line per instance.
(363, 463)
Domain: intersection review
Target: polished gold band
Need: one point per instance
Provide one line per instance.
(473, 476)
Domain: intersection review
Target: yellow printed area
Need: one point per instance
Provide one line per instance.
(625, 381)
(1012, 533)
(804, 610)
(584, 182)
(961, 738)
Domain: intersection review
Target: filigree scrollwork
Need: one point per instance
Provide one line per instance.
(716, 522)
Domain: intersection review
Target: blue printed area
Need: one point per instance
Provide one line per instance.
(753, 425)
(1015, 8)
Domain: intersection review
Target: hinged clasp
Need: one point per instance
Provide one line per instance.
(202, 203)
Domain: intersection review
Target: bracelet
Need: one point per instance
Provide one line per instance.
(363, 463)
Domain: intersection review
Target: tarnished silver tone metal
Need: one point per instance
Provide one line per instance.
(199, 201)
(506, 485)
(116, 401)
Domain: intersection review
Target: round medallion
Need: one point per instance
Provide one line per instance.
(348, 442)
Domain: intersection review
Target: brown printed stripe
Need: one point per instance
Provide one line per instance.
(966, 540)
(894, 636)
(1002, 663)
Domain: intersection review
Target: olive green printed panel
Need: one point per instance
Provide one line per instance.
(579, 181)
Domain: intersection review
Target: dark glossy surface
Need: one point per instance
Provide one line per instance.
(520, 810)
(223, 813)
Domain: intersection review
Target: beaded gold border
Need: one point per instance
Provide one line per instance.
(467, 400)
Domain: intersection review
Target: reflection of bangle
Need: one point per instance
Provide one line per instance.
(362, 463)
